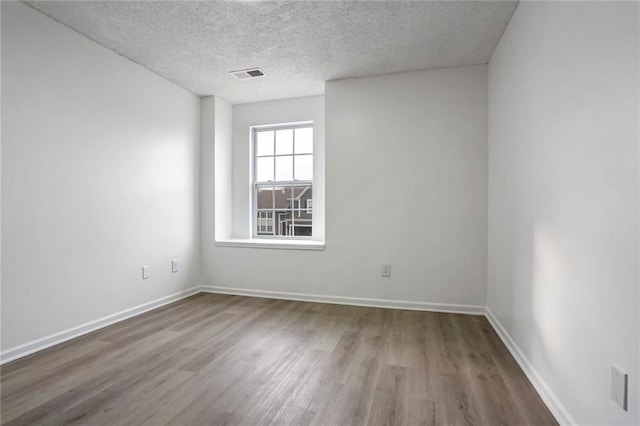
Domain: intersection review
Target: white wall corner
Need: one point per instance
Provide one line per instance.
(550, 399)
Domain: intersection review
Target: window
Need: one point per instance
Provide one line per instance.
(283, 180)
(265, 223)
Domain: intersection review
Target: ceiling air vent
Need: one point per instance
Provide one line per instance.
(248, 73)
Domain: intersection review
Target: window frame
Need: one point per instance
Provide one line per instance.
(254, 211)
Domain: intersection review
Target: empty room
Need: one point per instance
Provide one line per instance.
(320, 213)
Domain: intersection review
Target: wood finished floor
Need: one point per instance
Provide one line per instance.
(216, 359)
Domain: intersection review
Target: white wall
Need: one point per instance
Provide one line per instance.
(215, 173)
(0, 184)
(563, 198)
(223, 165)
(207, 170)
(99, 177)
(406, 175)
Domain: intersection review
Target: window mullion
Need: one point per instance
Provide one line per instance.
(273, 189)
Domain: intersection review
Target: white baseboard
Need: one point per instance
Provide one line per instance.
(353, 301)
(558, 410)
(71, 333)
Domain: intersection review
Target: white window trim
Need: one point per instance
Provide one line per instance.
(253, 210)
(270, 243)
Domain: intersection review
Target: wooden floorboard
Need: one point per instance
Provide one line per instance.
(220, 359)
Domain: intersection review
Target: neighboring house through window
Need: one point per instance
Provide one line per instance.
(283, 180)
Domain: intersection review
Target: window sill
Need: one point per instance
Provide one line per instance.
(272, 244)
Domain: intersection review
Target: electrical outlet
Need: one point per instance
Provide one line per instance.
(146, 273)
(386, 270)
(619, 384)
(174, 265)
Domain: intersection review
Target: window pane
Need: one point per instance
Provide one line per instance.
(264, 143)
(302, 228)
(306, 200)
(264, 197)
(282, 218)
(300, 194)
(264, 169)
(304, 140)
(301, 221)
(284, 168)
(304, 167)
(282, 197)
(291, 220)
(284, 141)
(283, 215)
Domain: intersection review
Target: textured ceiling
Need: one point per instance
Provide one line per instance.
(299, 45)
